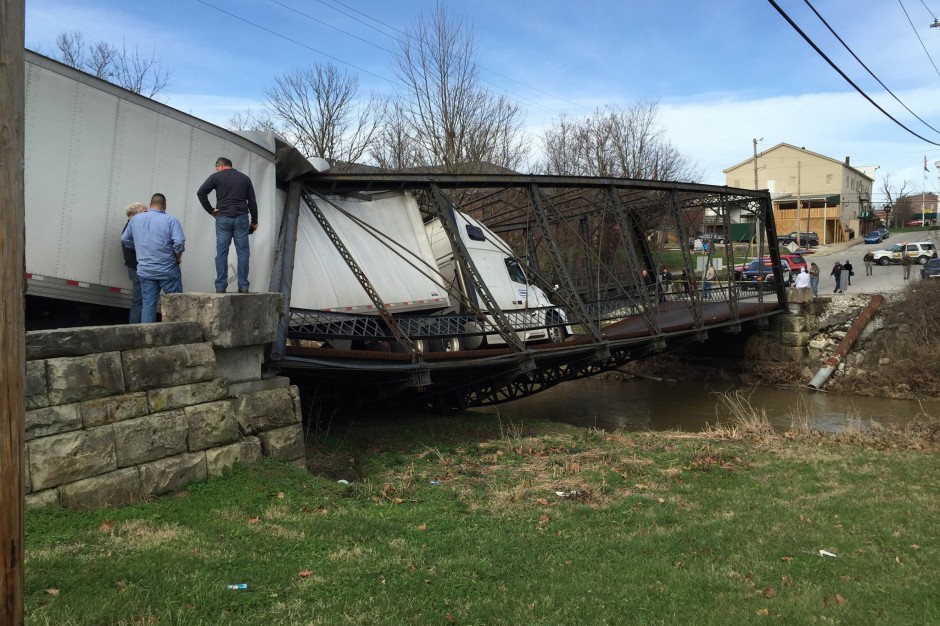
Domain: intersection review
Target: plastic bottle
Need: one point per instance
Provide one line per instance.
(238, 586)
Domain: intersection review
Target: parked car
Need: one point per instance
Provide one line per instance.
(918, 251)
(884, 232)
(795, 262)
(917, 222)
(931, 270)
(874, 236)
(759, 274)
(805, 239)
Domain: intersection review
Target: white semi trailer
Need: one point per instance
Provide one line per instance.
(92, 148)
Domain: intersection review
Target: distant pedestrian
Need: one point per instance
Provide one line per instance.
(665, 282)
(906, 264)
(847, 268)
(802, 281)
(686, 278)
(869, 260)
(710, 276)
(236, 217)
(705, 246)
(814, 278)
(158, 240)
(649, 281)
(130, 262)
(837, 274)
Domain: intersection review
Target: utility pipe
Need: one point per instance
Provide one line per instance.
(863, 319)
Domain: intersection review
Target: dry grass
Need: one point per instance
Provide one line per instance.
(910, 340)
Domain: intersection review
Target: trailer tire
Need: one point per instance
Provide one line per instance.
(447, 344)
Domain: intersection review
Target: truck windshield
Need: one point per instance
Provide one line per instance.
(515, 271)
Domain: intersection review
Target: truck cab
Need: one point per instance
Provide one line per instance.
(528, 306)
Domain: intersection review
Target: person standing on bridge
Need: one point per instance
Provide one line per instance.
(814, 278)
(158, 240)
(665, 282)
(869, 260)
(837, 274)
(710, 276)
(236, 217)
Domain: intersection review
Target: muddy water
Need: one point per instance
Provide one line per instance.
(646, 405)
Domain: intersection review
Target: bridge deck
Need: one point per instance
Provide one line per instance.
(492, 375)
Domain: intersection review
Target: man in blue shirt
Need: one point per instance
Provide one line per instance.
(236, 217)
(158, 240)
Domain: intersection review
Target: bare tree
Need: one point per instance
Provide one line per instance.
(627, 143)
(394, 147)
(249, 120)
(317, 109)
(450, 120)
(128, 68)
(897, 203)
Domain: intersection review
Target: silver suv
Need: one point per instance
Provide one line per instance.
(917, 251)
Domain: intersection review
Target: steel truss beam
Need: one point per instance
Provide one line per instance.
(444, 211)
(574, 303)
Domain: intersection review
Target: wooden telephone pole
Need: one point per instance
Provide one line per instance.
(12, 338)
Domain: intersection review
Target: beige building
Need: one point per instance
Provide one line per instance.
(810, 192)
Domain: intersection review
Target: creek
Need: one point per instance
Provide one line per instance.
(639, 405)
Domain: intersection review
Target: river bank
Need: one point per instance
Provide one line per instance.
(476, 519)
(897, 355)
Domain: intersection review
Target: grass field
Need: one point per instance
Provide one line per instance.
(474, 519)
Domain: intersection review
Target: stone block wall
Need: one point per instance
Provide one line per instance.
(788, 335)
(119, 413)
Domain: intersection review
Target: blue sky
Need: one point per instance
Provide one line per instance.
(723, 71)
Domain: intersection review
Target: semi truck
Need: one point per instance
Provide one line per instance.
(92, 148)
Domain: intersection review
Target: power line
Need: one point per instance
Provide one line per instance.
(395, 54)
(846, 46)
(481, 67)
(928, 10)
(918, 38)
(294, 41)
(843, 75)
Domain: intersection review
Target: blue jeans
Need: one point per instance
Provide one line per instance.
(137, 297)
(150, 289)
(814, 283)
(706, 290)
(226, 229)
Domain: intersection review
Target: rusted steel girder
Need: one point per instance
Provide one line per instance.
(444, 211)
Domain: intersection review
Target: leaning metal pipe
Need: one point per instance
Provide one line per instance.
(863, 319)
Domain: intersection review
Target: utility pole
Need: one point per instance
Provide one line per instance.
(12, 337)
(755, 162)
(799, 207)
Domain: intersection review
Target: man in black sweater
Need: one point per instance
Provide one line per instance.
(236, 216)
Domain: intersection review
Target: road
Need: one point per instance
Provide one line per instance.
(884, 279)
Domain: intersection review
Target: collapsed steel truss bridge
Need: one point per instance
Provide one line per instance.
(589, 242)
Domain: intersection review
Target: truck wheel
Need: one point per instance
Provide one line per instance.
(448, 344)
(922, 260)
(883, 261)
(475, 341)
(556, 334)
